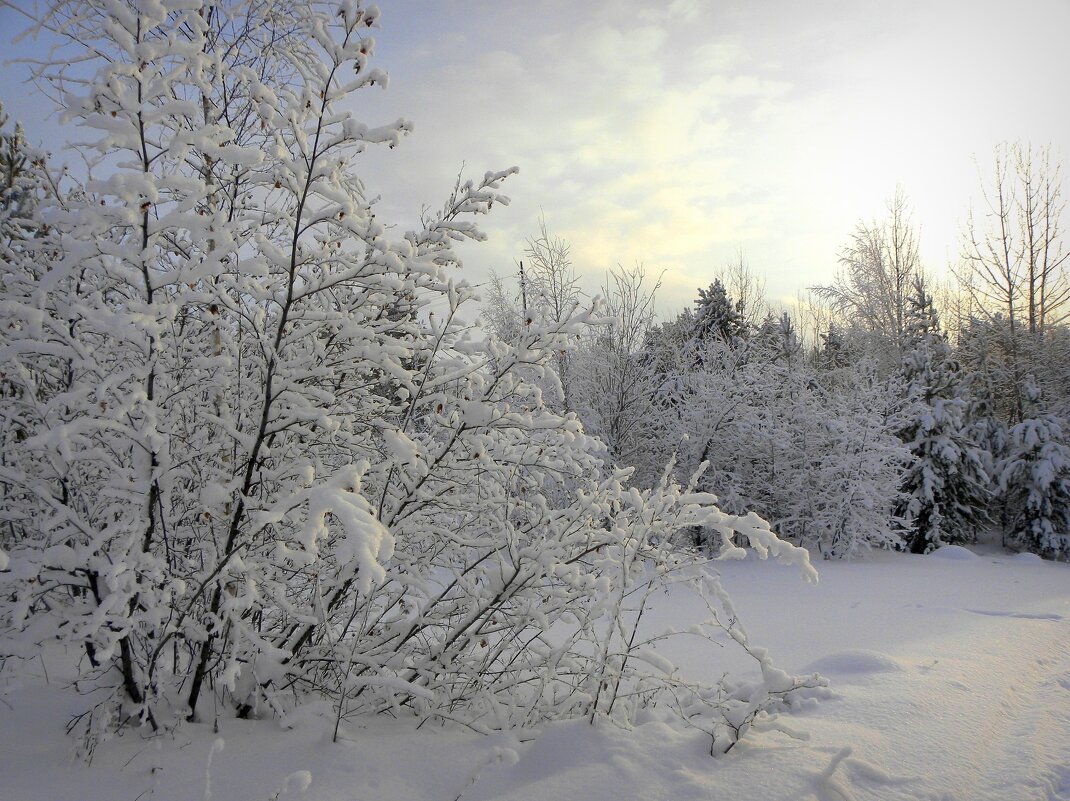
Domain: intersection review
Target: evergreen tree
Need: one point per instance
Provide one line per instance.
(23, 183)
(987, 427)
(833, 355)
(716, 318)
(1035, 481)
(946, 486)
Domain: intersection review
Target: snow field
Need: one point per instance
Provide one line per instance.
(950, 681)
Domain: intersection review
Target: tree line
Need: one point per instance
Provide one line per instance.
(885, 410)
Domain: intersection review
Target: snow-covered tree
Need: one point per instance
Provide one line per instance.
(20, 177)
(546, 288)
(880, 265)
(777, 340)
(852, 493)
(833, 353)
(550, 289)
(615, 382)
(716, 317)
(946, 485)
(1034, 481)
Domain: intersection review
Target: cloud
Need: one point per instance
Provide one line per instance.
(633, 148)
(674, 133)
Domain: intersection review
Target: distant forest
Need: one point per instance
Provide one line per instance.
(887, 409)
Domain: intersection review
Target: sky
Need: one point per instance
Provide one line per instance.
(681, 133)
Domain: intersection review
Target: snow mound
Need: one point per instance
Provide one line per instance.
(955, 553)
(1025, 556)
(853, 662)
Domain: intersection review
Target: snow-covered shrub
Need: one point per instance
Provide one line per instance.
(255, 453)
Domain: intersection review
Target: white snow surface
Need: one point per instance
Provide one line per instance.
(950, 681)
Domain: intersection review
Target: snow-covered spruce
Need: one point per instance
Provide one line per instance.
(1034, 482)
(250, 450)
(946, 487)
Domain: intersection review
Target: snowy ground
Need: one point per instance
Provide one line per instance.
(950, 681)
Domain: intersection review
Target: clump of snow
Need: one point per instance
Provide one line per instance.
(1029, 558)
(954, 553)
